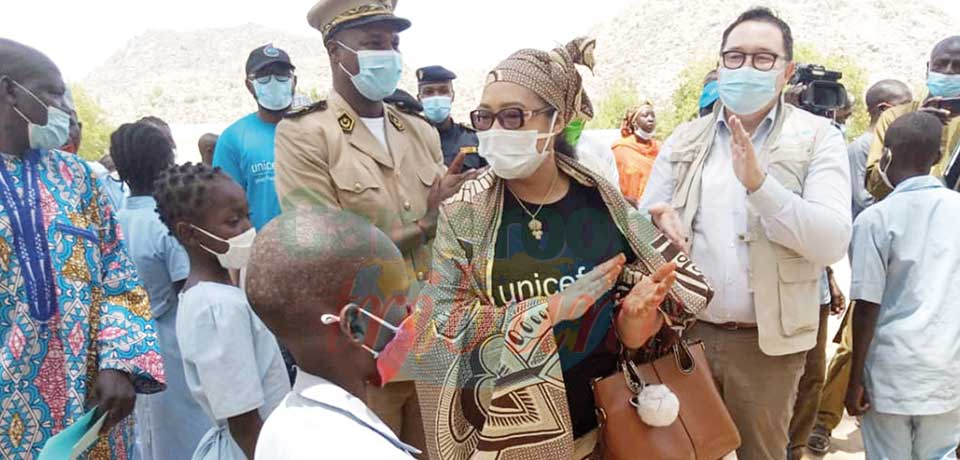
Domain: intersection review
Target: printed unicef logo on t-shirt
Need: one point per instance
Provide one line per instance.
(262, 172)
(578, 235)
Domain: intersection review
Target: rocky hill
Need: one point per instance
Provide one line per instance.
(197, 77)
(652, 43)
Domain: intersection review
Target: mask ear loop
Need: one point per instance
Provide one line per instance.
(329, 320)
(29, 93)
(547, 136)
(355, 52)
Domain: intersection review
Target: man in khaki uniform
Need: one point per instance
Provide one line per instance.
(945, 64)
(353, 152)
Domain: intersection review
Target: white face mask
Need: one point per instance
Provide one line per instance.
(238, 251)
(513, 154)
(645, 135)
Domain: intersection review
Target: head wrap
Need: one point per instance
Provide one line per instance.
(626, 125)
(553, 76)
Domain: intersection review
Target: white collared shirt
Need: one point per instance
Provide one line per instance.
(318, 419)
(817, 225)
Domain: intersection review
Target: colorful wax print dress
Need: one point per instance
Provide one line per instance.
(71, 304)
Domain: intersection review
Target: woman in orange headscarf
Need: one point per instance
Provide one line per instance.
(637, 150)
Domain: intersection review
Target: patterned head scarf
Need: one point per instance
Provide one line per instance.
(553, 76)
(626, 125)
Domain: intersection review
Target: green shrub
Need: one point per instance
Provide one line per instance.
(609, 112)
(96, 128)
(686, 98)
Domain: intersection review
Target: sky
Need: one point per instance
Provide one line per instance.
(442, 29)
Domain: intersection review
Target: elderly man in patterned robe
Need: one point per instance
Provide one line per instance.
(75, 325)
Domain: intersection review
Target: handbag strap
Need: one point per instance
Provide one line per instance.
(627, 362)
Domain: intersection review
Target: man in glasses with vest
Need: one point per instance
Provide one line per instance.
(759, 194)
(353, 152)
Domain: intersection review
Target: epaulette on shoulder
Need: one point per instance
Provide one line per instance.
(298, 112)
(473, 189)
(467, 127)
(406, 109)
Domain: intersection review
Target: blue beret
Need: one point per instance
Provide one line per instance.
(434, 74)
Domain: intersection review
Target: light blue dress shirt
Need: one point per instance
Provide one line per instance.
(906, 258)
(170, 423)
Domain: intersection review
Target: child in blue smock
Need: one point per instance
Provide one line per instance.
(906, 324)
(170, 423)
(232, 362)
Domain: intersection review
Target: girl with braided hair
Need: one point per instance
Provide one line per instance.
(170, 423)
(232, 362)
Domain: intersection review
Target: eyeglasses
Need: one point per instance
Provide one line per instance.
(512, 118)
(264, 79)
(761, 61)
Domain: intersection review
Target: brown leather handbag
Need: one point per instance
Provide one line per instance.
(702, 431)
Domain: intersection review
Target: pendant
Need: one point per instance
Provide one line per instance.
(536, 229)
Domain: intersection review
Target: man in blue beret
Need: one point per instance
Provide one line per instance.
(437, 95)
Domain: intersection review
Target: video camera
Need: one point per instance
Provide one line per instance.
(823, 93)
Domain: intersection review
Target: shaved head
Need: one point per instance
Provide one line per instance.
(915, 138)
(29, 83)
(21, 62)
(949, 45)
(207, 145)
(885, 94)
(914, 142)
(208, 140)
(945, 57)
(307, 263)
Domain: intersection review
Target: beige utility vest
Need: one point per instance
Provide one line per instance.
(785, 285)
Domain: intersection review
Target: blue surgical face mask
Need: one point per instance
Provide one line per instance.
(52, 135)
(437, 108)
(746, 90)
(380, 72)
(943, 85)
(274, 95)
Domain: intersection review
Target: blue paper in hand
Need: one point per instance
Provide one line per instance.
(75, 439)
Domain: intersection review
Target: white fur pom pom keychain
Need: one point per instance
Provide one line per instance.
(657, 405)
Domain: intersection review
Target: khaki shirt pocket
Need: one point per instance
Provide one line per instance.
(361, 192)
(799, 288)
(426, 175)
